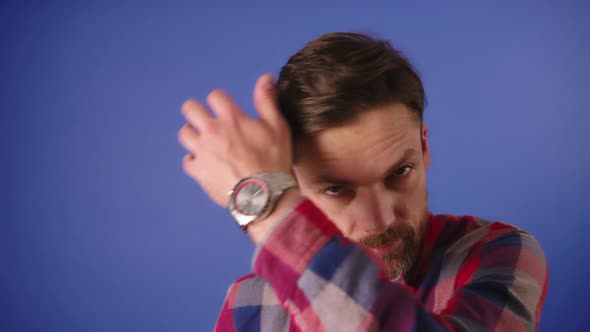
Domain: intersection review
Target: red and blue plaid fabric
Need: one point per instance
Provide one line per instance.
(471, 275)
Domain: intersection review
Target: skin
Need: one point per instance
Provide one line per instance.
(361, 174)
(369, 177)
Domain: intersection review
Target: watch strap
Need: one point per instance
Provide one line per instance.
(277, 183)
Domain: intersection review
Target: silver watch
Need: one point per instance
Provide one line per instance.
(255, 196)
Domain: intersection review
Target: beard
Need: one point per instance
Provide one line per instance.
(401, 241)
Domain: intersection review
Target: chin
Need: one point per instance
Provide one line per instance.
(396, 269)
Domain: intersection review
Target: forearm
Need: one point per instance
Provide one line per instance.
(258, 229)
(326, 281)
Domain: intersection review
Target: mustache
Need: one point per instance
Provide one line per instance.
(394, 232)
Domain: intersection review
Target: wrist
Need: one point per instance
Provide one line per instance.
(258, 229)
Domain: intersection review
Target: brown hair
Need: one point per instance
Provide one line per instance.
(337, 76)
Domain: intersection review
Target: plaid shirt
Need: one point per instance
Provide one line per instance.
(471, 275)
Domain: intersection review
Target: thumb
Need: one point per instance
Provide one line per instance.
(265, 102)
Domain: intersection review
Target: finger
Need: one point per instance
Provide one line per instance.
(188, 164)
(265, 102)
(224, 107)
(189, 138)
(197, 115)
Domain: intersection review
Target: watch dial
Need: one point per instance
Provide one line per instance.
(251, 198)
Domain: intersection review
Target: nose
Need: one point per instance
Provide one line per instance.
(373, 210)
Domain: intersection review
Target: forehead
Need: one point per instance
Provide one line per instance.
(364, 148)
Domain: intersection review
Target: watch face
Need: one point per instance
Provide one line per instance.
(251, 197)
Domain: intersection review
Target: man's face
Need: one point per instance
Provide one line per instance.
(369, 177)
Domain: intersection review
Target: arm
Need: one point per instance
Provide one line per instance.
(327, 283)
(320, 278)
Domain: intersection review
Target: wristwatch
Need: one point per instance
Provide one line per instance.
(255, 196)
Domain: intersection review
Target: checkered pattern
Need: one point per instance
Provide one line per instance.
(471, 275)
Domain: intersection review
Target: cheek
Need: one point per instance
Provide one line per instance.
(416, 201)
(411, 198)
(328, 206)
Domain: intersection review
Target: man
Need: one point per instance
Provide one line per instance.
(330, 184)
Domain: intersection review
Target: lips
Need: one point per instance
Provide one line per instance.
(386, 249)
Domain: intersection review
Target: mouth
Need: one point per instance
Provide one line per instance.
(386, 249)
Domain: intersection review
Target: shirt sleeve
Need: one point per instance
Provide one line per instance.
(327, 283)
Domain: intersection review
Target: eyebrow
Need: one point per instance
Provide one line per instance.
(324, 178)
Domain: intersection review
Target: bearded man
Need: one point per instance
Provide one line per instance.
(330, 184)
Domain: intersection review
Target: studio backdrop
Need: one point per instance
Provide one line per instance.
(100, 229)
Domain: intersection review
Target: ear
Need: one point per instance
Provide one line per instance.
(425, 147)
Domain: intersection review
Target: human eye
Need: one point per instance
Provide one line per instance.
(399, 176)
(403, 171)
(334, 191)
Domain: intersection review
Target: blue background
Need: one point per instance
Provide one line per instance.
(102, 231)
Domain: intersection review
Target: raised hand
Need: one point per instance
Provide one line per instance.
(227, 145)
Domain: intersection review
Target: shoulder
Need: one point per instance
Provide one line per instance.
(496, 243)
(461, 231)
